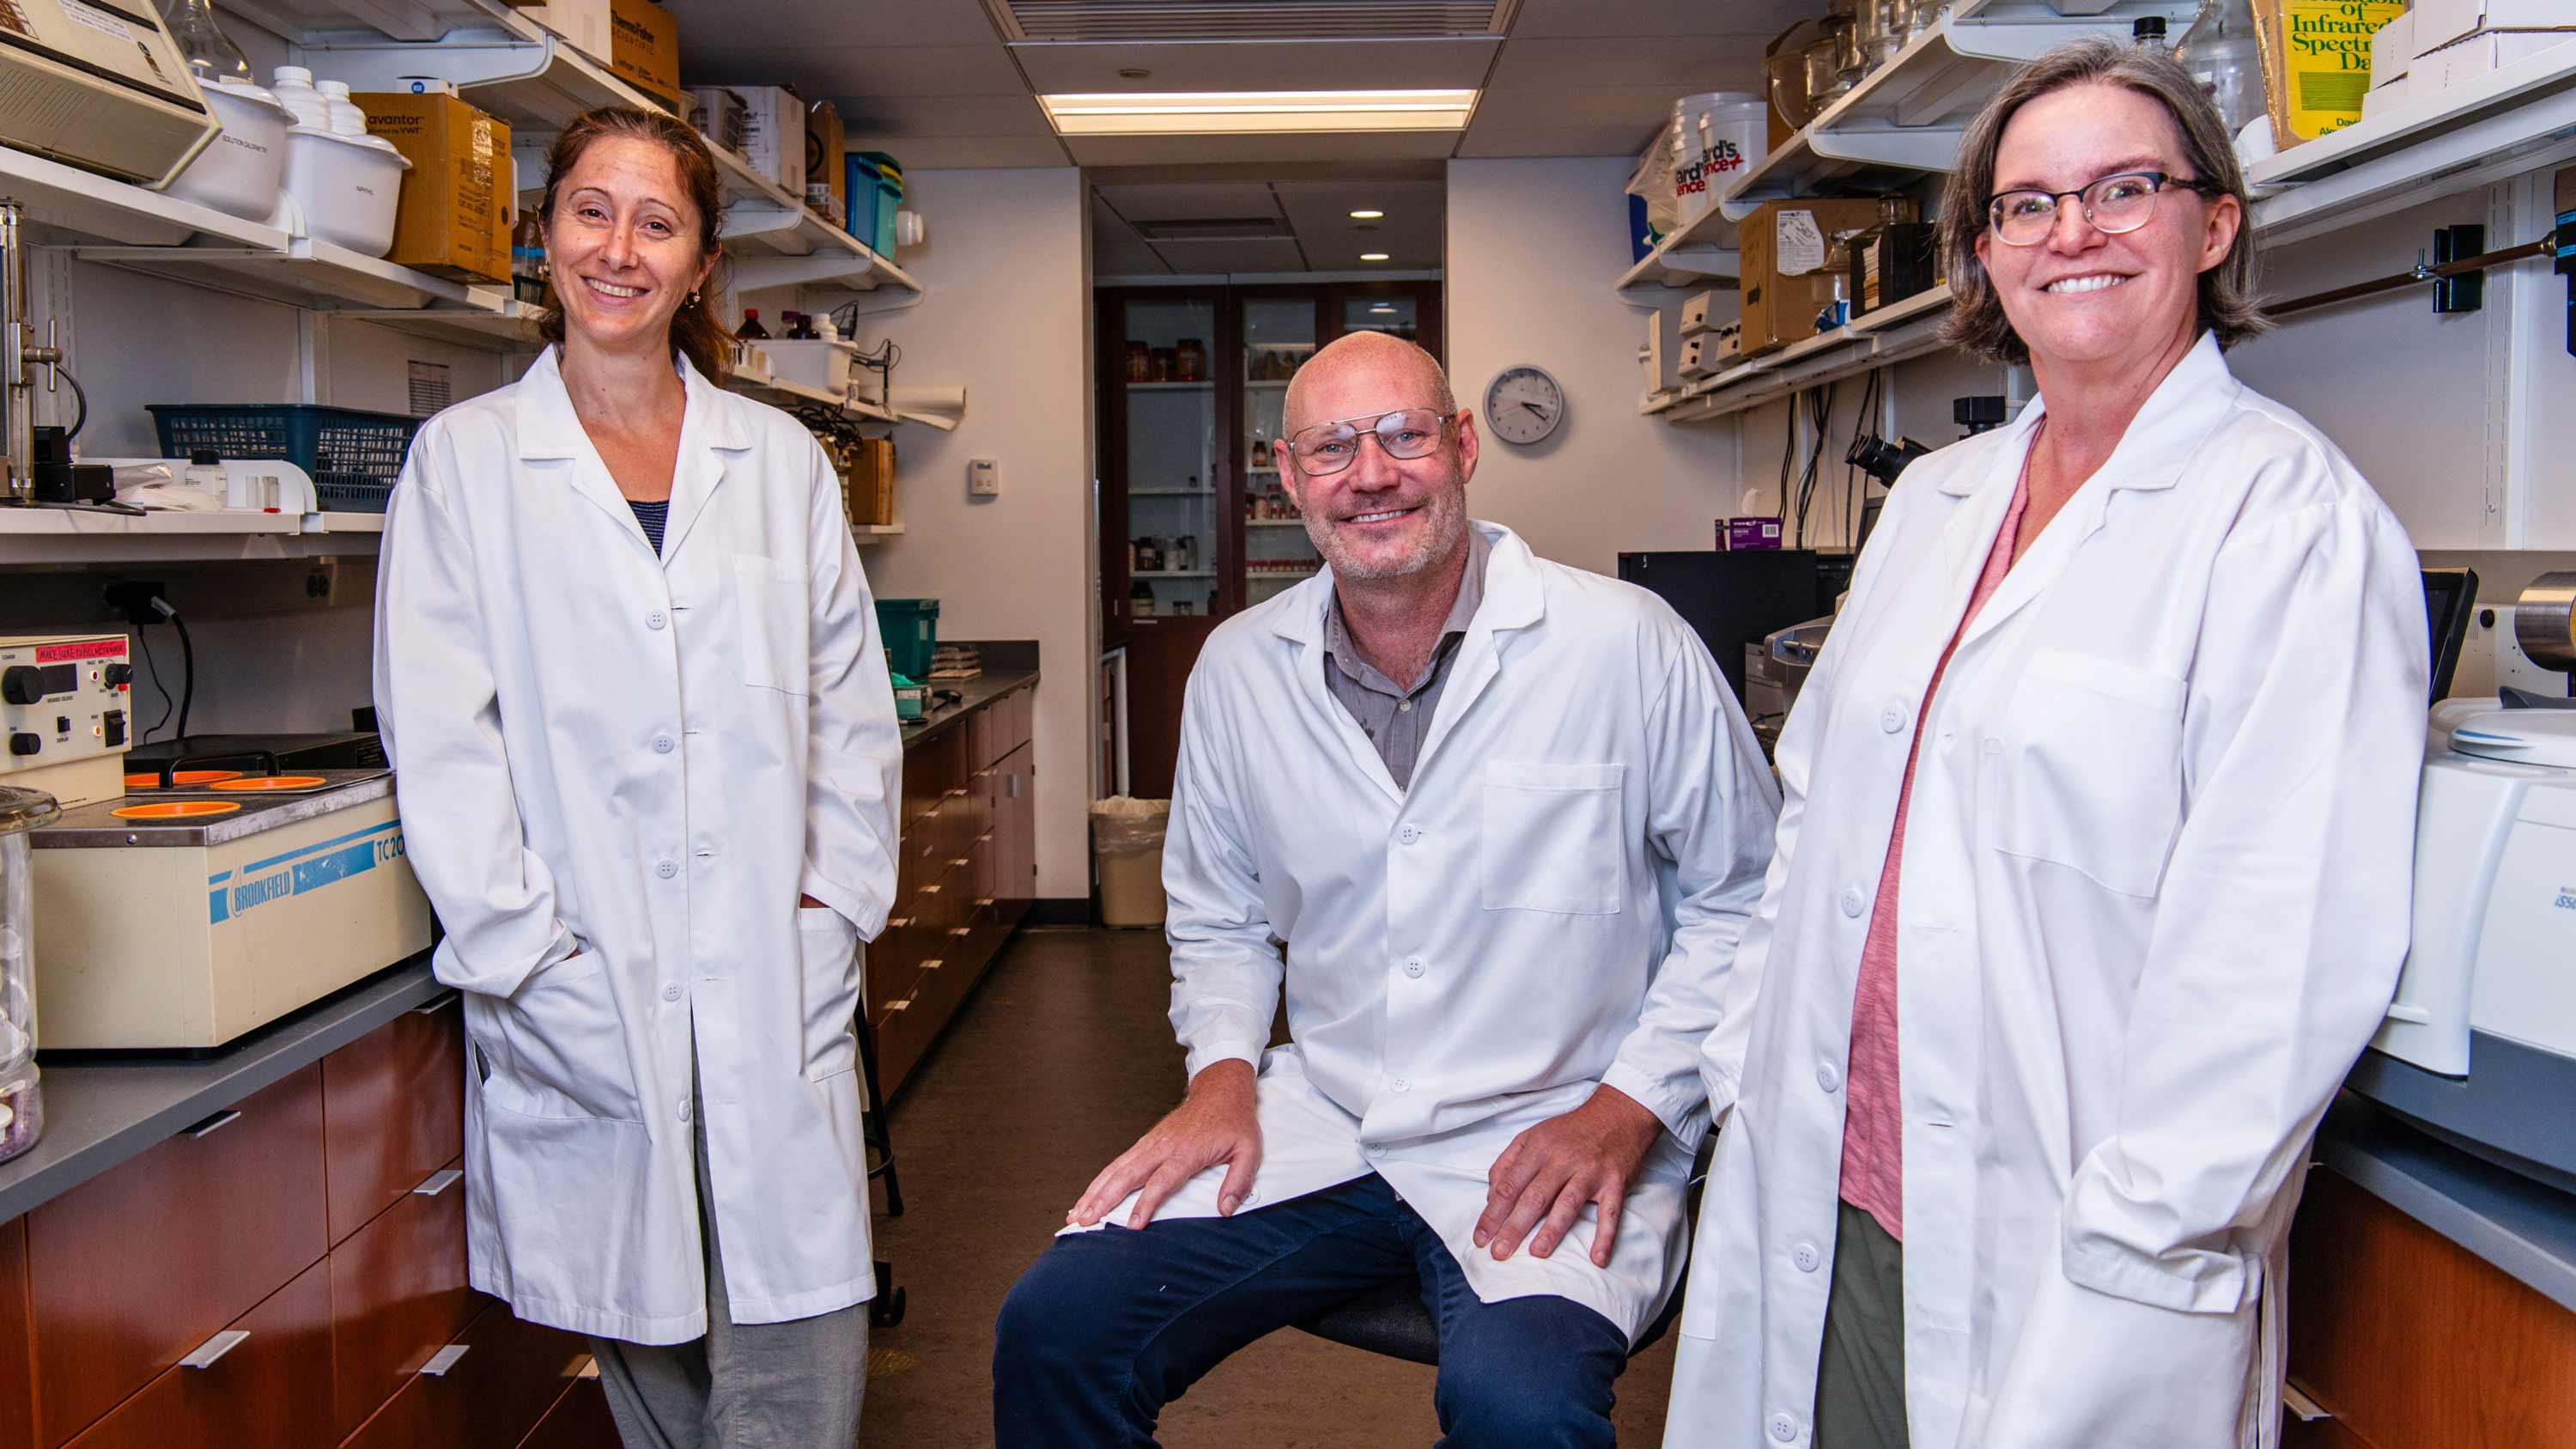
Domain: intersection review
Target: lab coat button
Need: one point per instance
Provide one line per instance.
(1828, 1076)
(1376, 1150)
(1409, 834)
(654, 620)
(1806, 1257)
(664, 744)
(1994, 744)
(1853, 900)
(1413, 967)
(666, 870)
(670, 993)
(1891, 719)
(684, 1109)
(1783, 1428)
(1400, 1084)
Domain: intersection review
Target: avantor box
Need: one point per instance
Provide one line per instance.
(453, 220)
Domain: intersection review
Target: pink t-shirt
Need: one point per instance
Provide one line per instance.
(1873, 1118)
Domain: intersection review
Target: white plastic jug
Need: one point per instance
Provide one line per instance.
(346, 118)
(1718, 136)
(293, 87)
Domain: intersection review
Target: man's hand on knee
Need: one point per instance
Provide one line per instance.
(1549, 1172)
(1214, 1124)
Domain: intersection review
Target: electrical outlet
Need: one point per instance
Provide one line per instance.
(984, 478)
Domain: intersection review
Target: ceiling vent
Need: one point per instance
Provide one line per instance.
(1244, 228)
(1134, 22)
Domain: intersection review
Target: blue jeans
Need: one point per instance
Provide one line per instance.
(1109, 1326)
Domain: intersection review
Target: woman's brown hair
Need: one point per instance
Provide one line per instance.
(694, 328)
(1977, 322)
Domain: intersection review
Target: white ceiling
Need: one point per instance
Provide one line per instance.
(936, 84)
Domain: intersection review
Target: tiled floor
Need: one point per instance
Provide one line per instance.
(1054, 1067)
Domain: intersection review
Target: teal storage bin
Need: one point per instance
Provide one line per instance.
(876, 193)
(911, 630)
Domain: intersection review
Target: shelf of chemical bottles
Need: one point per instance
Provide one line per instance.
(1893, 333)
(2517, 118)
(1903, 121)
(1274, 523)
(57, 536)
(1171, 573)
(1171, 492)
(1171, 386)
(507, 64)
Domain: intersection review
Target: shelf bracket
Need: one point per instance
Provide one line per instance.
(855, 272)
(1703, 262)
(1927, 148)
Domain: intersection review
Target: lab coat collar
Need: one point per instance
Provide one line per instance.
(2179, 415)
(1515, 598)
(711, 425)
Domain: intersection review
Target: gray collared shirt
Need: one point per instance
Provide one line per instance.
(1396, 718)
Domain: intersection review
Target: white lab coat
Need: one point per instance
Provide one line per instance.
(2154, 901)
(1552, 905)
(617, 773)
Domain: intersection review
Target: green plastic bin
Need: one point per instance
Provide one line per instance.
(911, 630)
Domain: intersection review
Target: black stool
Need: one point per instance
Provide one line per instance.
(1392, 1321)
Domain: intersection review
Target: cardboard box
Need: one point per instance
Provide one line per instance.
(773, 134)
(827, 188)
(2392, 49)
(1695, 312)
(2316, 62)
(2440, 23)
(871, 499)
(637, 40)
(2463, 61)
(1786, 281)
(454, 217)
(2383, 99)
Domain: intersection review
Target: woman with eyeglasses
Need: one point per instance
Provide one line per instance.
(2094, 858)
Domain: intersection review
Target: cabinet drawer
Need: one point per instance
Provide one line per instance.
(398, 1295)
(579, 1420)
(272, 1388)
(17, 1386)
(508, 1376)
(138, 1266)
(393, 1111)
(1019, 718)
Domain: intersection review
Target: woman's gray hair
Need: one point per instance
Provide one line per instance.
(1977, 322)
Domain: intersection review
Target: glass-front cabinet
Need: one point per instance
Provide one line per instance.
(1172, 457)
(1278, 335)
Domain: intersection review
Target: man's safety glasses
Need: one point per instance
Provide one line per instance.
(1406, 433)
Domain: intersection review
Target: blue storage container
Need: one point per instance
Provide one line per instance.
(879, 177)
(911, 631)
(354, 456)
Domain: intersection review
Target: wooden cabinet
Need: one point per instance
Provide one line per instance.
(17, 1342)
(965, 876)
(271, 1387)
(398, 1295)
(137, 1267)
(579, 1420)
(498, 1378)
(393, 1111)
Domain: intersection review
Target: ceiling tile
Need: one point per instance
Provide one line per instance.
(786, 26)
(1681, 64)
(1531, 108)
(1116, 250)
(847, 72)
(1186, 202)
(1555, 141)
(1219, 150)
(997, 115)
(1276, 65)
(1410, 233)
(1545, 19)
(1195, 258)
(962, 153)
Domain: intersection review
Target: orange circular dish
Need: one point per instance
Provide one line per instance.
(151, 779)
(272, 782)
(176, 810)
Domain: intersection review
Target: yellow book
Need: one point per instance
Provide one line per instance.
(2316, 61)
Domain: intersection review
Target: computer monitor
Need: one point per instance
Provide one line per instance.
(2450, 597)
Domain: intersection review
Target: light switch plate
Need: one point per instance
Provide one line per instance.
(984, 477)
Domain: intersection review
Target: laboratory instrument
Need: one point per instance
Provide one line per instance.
(108, 90)
(65, 711)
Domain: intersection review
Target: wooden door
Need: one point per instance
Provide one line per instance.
(1160, 656)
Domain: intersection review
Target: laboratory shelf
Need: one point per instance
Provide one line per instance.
(1911, 328)
(1171, 492)
(1171, 387)
(864, 534)
(1274, 523)
(1171, 573)
(70, 537)
(2519, 118)
(1904, 120)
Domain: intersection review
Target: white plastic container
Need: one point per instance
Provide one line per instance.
(293, 86)
(814, 364)
(346, 118)
(1718, 136)
(240, 174)
(345, 188)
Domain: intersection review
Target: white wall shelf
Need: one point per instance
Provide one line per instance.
(2516, 119)
(864, 534)
(1910, 328)
(57, 537)
(1904, 120)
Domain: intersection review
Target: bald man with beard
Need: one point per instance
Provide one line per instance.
(1508, 821)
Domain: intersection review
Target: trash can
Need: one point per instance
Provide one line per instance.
(1127, 847)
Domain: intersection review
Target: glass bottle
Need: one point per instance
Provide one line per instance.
(751, 325)
(2222, 53)
(528, 260)
(210, 53)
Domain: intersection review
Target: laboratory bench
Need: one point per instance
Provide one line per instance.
(265, 1245)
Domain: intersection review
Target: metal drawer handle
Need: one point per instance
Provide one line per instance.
(438, 1182)
(934, 963)
(984, 839)
(930, 890)
(956, 861)
(984, 901)
(898, 923)
(589, 1369)
(443, 1360)
(894, 1006)
(438, 1003)
(961, 930)
(216, 1123)
(207, 1353)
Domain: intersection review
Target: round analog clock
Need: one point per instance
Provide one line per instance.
(1523, 405)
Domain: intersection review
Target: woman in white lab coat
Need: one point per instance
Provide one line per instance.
(2134, 690)
(646, 753)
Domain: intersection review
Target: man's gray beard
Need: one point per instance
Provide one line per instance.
(1448, 510)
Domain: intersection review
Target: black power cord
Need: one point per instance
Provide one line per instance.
(142, 605)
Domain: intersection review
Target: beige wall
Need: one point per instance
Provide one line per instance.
(1005, 312)
(1534, 248)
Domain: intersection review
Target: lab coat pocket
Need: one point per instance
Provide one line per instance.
(1552, 839)
(564, 1046)
(2094, 780)
(830, 948)
(773, 622)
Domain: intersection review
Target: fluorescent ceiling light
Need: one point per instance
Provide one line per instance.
(1372, 256)
(1203, 113)
(1366, 215)
(1382, 307)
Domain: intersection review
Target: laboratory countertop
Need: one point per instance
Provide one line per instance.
(2522, 1227)
(103, 1111)
(974, 694)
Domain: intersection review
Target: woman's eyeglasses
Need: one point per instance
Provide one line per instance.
(2114, 205)
(1406, 433)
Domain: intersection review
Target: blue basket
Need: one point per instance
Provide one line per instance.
(354, 456)
(911, 631)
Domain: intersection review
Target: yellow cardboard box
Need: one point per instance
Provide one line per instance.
(826, 187)
(637, 40)
(1786, 281)
(453, 220)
